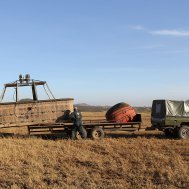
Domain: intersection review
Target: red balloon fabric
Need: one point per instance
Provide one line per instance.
(121, 113)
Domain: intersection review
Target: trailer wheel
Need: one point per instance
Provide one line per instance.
(171, 132)
(183, 132)
(97, 133)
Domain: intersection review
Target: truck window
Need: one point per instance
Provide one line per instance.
(158, 108)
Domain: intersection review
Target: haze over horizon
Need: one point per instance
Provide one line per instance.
(98, 52)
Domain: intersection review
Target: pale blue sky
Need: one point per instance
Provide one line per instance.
(100, 52)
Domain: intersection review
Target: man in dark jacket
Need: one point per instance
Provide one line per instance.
(76, 117)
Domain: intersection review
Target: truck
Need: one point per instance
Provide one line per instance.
(51, 116)
(171, 117)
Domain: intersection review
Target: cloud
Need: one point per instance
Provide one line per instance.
(179, 33)
(163, 32)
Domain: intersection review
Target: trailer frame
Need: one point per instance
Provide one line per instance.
(89, 125)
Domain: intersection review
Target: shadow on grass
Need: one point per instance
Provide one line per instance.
(40, 136)
(127, 135)
(146, 134)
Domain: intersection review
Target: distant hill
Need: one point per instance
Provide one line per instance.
(89, 108)
(142, 109)
(25, 100)
(82, 104)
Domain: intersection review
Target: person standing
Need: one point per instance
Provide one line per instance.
(76, 118)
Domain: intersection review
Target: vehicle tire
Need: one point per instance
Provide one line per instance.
(168, 132)
(89, 133)
(183, 132)
(97, 133)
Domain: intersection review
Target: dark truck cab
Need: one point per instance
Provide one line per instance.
(171, 117)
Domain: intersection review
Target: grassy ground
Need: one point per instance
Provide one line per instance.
(121, 160)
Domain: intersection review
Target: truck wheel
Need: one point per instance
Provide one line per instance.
(183, 132)
(168, 132)
(97, 133)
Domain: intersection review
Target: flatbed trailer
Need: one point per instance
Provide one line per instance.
(95, 128)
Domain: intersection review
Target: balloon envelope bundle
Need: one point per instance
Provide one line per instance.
(121, 113)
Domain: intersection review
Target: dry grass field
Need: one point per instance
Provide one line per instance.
(145, 159)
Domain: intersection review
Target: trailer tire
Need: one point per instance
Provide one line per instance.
(97, 133)
(183, 132)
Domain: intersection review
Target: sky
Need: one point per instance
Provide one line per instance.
(100, 52)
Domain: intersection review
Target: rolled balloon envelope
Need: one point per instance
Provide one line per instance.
(121, 113)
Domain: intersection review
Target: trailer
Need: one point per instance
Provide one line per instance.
(95, 128)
